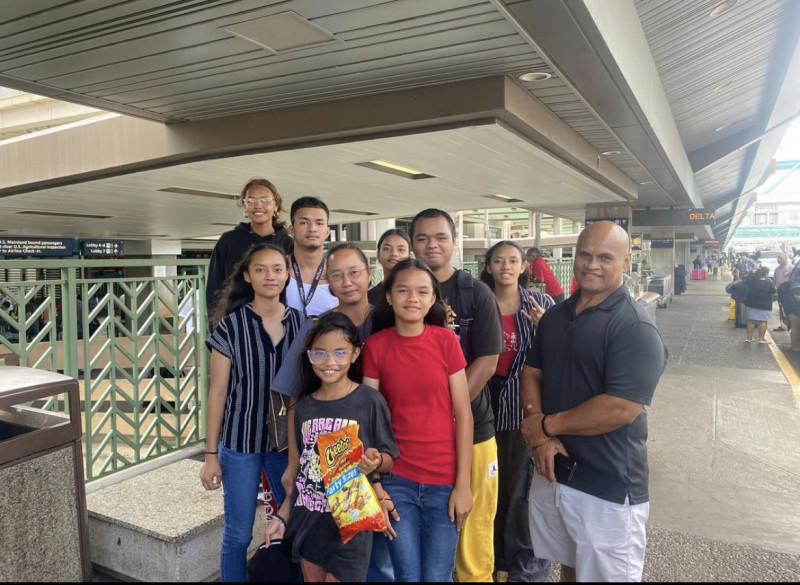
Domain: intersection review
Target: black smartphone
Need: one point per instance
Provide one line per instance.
(564, 468)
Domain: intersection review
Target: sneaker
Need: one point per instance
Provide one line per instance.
(751, 341)
(779, 328)
(763, 341)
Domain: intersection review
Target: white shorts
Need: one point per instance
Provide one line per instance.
(602, 540)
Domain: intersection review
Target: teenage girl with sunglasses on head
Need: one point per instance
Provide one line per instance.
(252, 332)
(329, 400)
(418, 365)
(506, 273)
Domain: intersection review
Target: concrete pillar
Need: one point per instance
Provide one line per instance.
(372, 229)
(663, 259)
(458, 252)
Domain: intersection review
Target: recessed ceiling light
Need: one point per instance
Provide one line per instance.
(354, 212)
(535, 76)
(722, 8)
(646, 183)
(62, 214)
(393, 169)
(503, 198)
(198, 193)
(720, 128)
(610, 152)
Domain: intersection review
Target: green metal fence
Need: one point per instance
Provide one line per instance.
(135, 344)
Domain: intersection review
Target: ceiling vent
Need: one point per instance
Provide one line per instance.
(279, 33)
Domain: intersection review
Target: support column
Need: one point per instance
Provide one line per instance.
(663, 258)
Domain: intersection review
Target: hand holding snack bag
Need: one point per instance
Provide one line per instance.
(351, 499)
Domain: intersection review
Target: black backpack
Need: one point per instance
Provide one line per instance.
(465, 308)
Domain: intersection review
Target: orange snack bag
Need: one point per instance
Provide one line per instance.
(351, 499)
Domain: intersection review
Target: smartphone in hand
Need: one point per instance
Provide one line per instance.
(564, 468)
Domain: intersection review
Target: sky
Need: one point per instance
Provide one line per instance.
(790, 146)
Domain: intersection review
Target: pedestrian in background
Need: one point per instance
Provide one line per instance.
(540, 272)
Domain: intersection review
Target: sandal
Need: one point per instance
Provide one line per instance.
(763, 341)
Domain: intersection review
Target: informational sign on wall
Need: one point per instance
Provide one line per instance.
(673, 217)
(39, 247)
(662, 243)
(102, 247)
(620, 221)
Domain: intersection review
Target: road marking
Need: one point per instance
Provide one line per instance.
(786, 368)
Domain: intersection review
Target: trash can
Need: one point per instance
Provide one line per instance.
(43, 502)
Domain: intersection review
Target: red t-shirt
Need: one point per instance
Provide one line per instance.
(413, 374)
(541, 271)
(510, 345)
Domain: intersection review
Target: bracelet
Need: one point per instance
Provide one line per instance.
(383, 498)
(212, 452)
(381, 463)
(279, 519)
(375, 479)
(544, 430)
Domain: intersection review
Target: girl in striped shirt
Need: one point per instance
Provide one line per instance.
(253, 329)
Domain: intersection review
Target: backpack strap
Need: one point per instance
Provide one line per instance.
(466, 294)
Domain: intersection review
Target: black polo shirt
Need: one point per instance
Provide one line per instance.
(612, 348)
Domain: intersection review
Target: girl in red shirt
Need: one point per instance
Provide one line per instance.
(418, 366)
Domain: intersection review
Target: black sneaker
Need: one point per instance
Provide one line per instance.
(779, 328)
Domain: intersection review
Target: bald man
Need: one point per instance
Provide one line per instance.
(593, 367)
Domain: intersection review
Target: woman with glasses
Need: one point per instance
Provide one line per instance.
(348, 278)
(262, 206)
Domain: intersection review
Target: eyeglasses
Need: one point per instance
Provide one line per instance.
(250, 202)
(320, 356)
(351, 274)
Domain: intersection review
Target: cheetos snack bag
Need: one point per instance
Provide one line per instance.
(351, 499)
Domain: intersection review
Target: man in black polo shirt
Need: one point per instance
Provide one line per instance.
(593, 366)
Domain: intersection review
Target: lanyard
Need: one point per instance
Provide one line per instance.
(299, 280)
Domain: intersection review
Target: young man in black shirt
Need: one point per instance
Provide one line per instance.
(474, 316)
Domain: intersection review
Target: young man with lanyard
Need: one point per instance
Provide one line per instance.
(307, 289)
(474, 316)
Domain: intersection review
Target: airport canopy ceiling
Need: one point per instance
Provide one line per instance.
(553, 105)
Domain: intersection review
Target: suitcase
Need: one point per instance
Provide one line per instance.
(741, 314)
(698, 274)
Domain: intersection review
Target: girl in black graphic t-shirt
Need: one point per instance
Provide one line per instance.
(329, 401)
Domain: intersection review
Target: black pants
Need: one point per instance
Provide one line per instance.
(513, 551)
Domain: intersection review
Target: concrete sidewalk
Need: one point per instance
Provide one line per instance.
(724, 458)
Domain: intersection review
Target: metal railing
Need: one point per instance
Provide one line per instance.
(135, 344)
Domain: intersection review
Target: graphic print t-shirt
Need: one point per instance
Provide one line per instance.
(312, 529)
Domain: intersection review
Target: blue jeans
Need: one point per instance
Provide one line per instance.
(380, 568)
(424, 549)
(241, 478)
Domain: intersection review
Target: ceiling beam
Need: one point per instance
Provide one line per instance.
(599, 50)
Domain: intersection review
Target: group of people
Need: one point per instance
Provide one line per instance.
(465, 392)
(758, 292)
